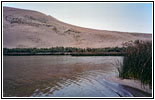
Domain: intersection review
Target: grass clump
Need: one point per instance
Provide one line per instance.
(137, 63)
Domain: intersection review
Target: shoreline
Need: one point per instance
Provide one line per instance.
(68, 53)
(131, 83)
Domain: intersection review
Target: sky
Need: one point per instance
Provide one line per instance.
(125, 17)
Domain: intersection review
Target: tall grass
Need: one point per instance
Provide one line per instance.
(137, 63)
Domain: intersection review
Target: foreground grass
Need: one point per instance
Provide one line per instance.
(137, 62)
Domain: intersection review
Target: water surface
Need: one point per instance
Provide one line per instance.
(63, 76)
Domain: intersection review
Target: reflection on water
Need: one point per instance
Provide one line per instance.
(62, 76)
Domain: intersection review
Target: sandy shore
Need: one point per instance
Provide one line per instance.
(131, 83)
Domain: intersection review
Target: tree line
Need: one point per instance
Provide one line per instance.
(61, 49)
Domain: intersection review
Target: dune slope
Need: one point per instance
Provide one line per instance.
(27, 29)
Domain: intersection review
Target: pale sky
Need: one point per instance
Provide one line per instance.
(127, 17)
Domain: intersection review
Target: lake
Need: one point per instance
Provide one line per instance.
(63, 76)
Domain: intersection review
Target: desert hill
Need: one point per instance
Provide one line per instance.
(27, 29)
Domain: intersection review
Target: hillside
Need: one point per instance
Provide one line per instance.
(27, 29)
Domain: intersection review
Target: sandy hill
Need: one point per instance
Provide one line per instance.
(26, 28)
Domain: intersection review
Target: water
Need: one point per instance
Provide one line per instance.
(62, 76)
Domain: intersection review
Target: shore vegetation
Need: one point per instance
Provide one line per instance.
(137, 63)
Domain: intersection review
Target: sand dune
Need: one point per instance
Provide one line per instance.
(26, 28)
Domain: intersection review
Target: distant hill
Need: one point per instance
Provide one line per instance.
(27, 29)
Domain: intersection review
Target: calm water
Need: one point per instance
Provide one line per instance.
(62, 76)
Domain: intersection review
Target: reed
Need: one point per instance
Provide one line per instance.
(137, 63)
